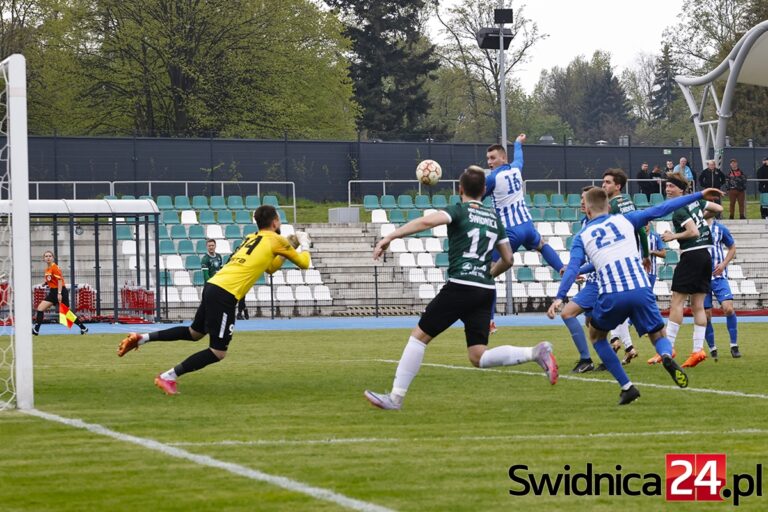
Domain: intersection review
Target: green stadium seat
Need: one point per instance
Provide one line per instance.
(764, 199)
(540, 201)
(262, 280)
(270, 200)
(281, 214)
(196, 232)
(656, 198)
(404, 202)
(397, 217)
(371, 202)
(575, 227)
(445, 244)
(192, 262)
(170, 217)
(164, 203)
(234, 243)
(289, 265)
(224, 216)
(185, 247)
(165, 280)
(412, 214)
(200, 247)
(250, 228)
(557, 201)
(528, 200)
(218, 203)
(233, 231)
(182, 203)
(207, 217)
(672, 257)
(110, 197)
(524, 274)
(455, 198)
(441, 260)
(197, 278)
(167, 247)
(574, 200)
(127, 196)
(388, 202)
(556, 275)
(252, 202)
(422, 202)
(667, 217)
(243, 217)
(235, 203)
(178, 232)
(537, 214)
(641, 200)
(439, 201)
(124, 232)
(200, 203)
(569, 214)
(569, 242)
(551, 214)
(488, 202)
(149, 198)
(162, 232)
(666, 272)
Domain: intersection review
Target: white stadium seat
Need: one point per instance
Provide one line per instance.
(536, 290)
(303, 293)
(128, 247)
(322, 293)
(406, 259)
(518, 290)
(552, 288)
(174, 262)
(172, 294)
(565, 257)
(214, 231)
(440, 231)
(433, 245)
(223, 247)
(386, 229)
(415, 245)
(284, 294)
(501, 290)
(416, 275)
(429, 211)
(556, 243)
(426, 291)
(250, 296)
(562, 229)
(278, 278)
(661, 289)
(517, 259)
(181, 278)
(287, 229)
(735, 272)
(189, 294)
(264, 293)
(379, 216)
(545, 228)
(425, 259)
(398, 245)
(312, 276)
(435, 275)
(531, 259)
(542, 274)
(188, 217)
(293, 276)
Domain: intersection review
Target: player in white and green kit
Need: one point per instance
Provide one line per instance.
(473, 232)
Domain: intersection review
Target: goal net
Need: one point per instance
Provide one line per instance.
(16, 388)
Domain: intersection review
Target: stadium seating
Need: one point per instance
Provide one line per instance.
(439, 201)
(252, 202)
(200, 203)
(557, 201)
(405, 202)
(422, 202)
(182, 203)
(235, 203)
(574, 200)
(218, 203)
(371, 202)
(641, 200)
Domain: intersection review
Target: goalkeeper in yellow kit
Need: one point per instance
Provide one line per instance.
(260, 252)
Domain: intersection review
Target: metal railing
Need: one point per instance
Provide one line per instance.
(416, 185)
(35, 186)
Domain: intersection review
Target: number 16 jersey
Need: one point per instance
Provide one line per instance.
(473, 232)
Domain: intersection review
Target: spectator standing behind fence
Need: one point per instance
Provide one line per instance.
(658, 177)
(712, 177)
(646, 187)
(736, 184)
(686, 171)
(762, 186)
(670, 168)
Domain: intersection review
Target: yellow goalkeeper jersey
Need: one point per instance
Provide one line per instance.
(260, 252)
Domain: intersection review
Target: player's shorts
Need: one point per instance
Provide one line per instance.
(694, 272)
(652, 279)
(470, 304)
(639, 305)
(216, 316)
(525, 235)
(587, 296)
(721, 290)
(53, 295)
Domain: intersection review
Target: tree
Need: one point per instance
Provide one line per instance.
(638, 82)
(478, 70)
(391, 65)
(665, 90)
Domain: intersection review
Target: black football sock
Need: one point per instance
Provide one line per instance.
(196, 362)
(172, 334)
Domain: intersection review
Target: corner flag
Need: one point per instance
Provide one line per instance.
(66, 317)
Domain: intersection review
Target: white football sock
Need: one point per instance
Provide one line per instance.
(698, 337)
(622, 332)
(169, 375)
(408, 367)
(506, 355)
(672, 329)
(144, 338)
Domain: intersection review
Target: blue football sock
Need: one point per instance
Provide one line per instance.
(733, 329)
(493, 305)
(709, 335)
(579, 339)
(611, 361)
(663, 346)
(551, 257)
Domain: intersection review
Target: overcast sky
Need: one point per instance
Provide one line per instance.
(580, 28)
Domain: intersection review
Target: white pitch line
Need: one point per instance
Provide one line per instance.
(589, 379)
(523, 437)
(204, 460)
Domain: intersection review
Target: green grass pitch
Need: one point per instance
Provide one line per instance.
(290, 404)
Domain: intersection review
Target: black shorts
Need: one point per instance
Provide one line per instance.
(693, 274)
(470, 304)
(53, 295)
(216, 316)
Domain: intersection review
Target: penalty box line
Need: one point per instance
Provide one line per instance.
(587, 379)
(204, 460)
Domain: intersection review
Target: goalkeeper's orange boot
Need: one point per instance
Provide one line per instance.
(130, 342)
(167, 386)
(694, 359)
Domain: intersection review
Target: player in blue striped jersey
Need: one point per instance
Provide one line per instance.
(624, 288)
(721, 236)
(656, 249)
(505, 186)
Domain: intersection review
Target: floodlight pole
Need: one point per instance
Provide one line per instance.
(503, 88)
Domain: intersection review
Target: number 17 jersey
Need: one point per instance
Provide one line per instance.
(473, 232)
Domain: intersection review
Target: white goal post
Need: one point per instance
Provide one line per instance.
(16, 377)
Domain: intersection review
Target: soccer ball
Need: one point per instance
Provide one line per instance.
(429, 172)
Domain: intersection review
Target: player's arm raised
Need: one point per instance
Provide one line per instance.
(414, 226)
(284, 249)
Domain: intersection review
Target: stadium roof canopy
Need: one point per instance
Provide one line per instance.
(83, 207)
(747, 63)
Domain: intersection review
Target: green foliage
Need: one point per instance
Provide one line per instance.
(393, 60)
(665, 89)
